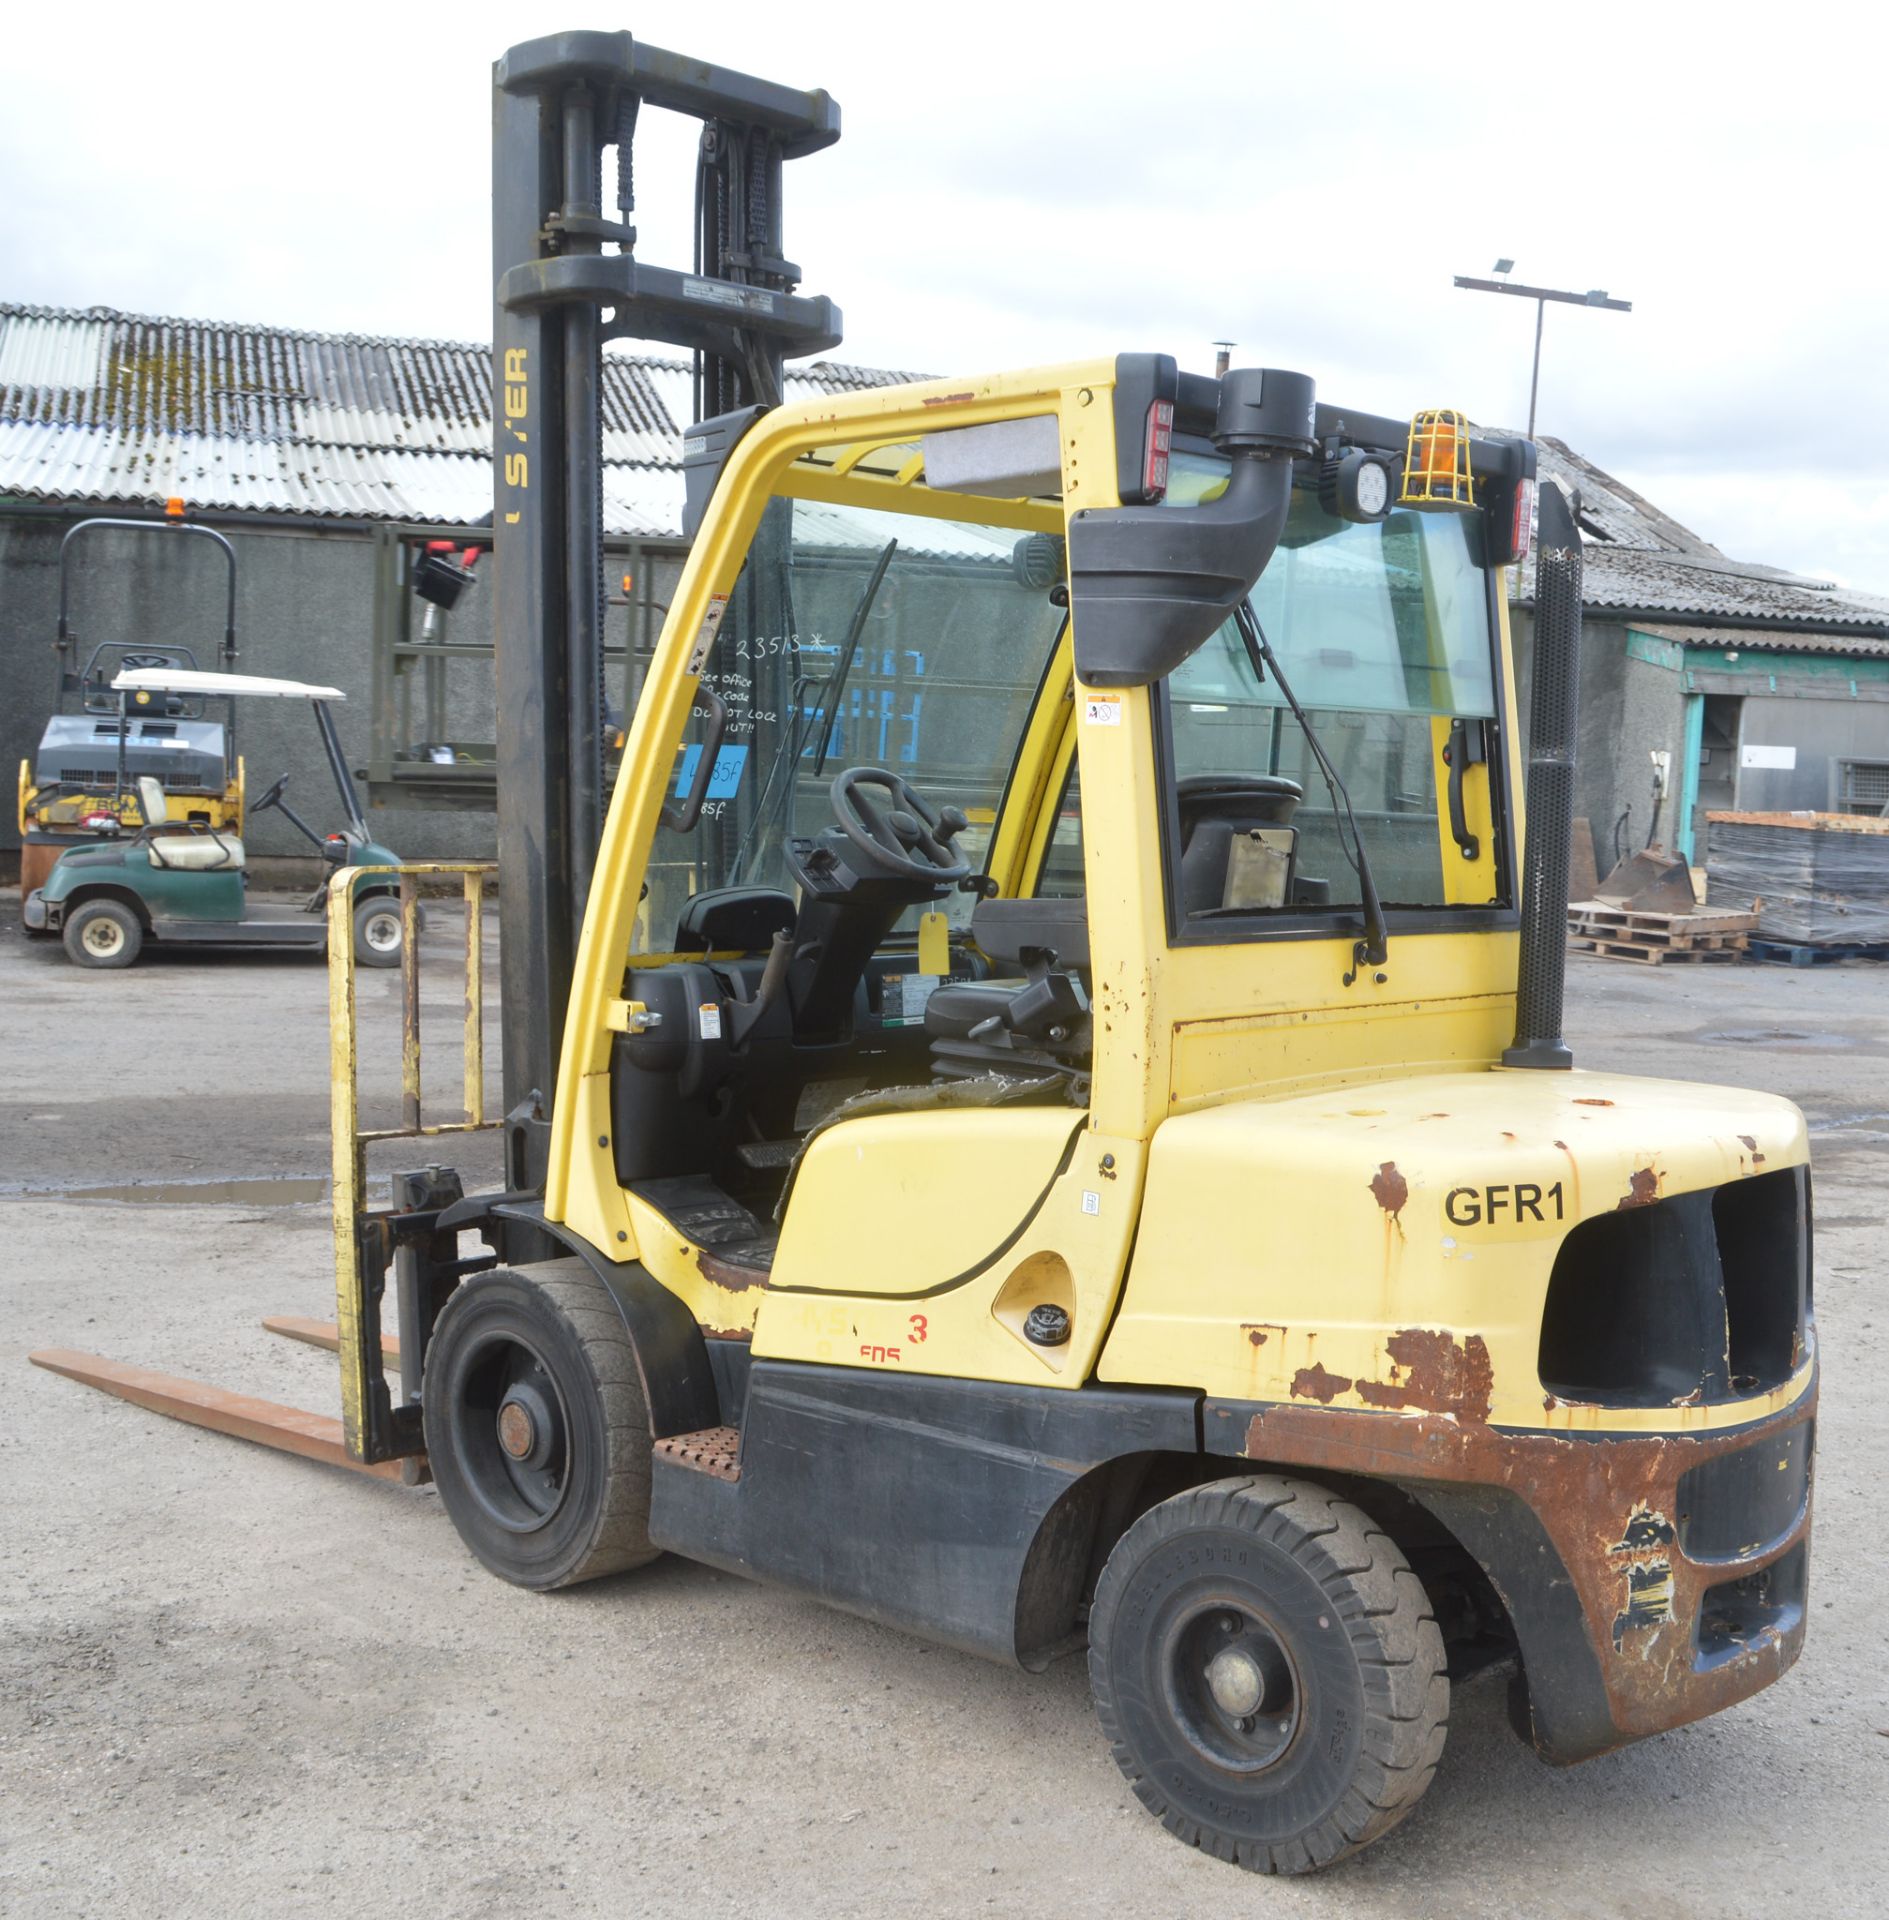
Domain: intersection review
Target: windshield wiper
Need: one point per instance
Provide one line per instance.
(1374, 949)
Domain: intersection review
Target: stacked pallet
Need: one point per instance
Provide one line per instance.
(1635, 933)
(1818, 880)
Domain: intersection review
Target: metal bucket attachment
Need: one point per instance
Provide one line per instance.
(1652, 881)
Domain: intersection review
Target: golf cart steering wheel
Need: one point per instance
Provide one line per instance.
(909, 839)
(270, 798)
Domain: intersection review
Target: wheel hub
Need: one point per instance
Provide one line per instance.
(526, 1425)
(1235, 1681)
(1231, 1686)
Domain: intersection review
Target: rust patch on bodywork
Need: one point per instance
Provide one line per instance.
(1645, 1529)
(1649, 1600)
(1390, 1189)
(1315, 1383)
(1593, 1103)
(1256, 1334)
(1603, 1500)
(1433, 1374)
(1642, 1189)
(725, 1273)
(1751, 1147)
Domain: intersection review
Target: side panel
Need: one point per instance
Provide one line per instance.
(1064, 1243)
(209, 897)
(912, 1501)
(1389, 1245)
(897, 1203)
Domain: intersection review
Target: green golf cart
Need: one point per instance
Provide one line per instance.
(185, 882)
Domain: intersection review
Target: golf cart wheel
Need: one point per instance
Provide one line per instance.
(103, 933)
(1268, 1672)
(537, 1428)
(377, 931)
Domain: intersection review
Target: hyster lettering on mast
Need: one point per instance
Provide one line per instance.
(1060, 1131)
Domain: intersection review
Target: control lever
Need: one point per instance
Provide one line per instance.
(1049, 1009)
(745, 1015)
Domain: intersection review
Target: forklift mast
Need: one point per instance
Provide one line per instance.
(567, 280)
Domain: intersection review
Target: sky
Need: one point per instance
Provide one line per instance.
(1034, 182)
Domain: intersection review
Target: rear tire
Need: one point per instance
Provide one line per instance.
(537, 1428)
(377, 931)
(1268, 1672)
(103, 933)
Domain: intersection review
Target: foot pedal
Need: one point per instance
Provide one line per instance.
(715, 1451)
(766, 1156)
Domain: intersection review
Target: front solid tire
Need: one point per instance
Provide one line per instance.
(537, 1429)
(1268, 1671)
(102, 933)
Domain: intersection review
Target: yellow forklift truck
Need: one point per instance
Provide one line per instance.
(1058, 1133)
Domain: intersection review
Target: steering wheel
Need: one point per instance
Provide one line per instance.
(909, 839)
(270, 798)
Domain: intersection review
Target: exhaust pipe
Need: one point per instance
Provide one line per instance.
(1554, 710)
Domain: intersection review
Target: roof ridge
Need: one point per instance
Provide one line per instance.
(24, 310)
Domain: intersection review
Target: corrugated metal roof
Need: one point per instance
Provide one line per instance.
(1859, 646)
(1637, 559)
(132, 408)
(102, 406)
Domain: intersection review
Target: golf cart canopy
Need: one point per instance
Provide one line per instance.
(191, 680)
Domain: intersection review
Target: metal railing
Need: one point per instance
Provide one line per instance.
(367, 1240)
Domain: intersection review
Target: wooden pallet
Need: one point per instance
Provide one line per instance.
(1653, 955)
(1637, 933)
(1791, 953)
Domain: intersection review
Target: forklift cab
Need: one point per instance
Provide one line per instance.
(943, 915)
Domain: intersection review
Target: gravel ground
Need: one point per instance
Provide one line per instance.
(232, 1682)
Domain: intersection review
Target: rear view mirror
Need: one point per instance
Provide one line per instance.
(1152, 584)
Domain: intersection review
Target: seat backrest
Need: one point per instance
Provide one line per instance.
(1004, 928)
(196, 852)
(151, 799)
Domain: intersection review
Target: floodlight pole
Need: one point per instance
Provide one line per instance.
(1597, 297)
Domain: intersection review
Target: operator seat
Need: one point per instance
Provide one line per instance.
(1036, 1026)
(1213, 809)
(177, 845)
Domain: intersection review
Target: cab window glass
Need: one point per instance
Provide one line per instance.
(853, 638)
(1062, 877)
(1383, 630)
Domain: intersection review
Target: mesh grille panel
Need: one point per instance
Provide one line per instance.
(1553, 713)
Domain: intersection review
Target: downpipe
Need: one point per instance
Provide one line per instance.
(1554, 709)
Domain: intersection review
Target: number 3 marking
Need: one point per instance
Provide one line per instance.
(919, 1325)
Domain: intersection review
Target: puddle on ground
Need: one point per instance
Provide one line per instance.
(1777, 1037)
(279, 1190)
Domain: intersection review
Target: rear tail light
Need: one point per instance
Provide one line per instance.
(1523, 533)
(1157, 443)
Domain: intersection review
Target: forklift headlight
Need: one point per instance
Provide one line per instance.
(1356, 486)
